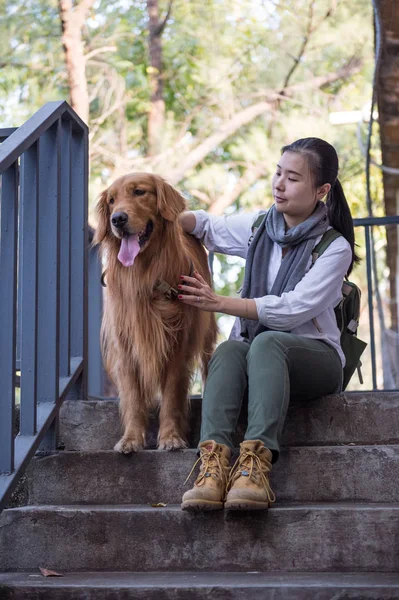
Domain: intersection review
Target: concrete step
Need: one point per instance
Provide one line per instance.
(314, 474)
(308, 537)
(360, 418)
(200, 586)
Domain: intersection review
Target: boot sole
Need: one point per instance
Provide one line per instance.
(200, 505)
(246, 505)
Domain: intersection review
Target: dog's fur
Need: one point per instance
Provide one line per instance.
(151, 343)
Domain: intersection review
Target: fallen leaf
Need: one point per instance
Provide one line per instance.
(48, 573)
(158, 505)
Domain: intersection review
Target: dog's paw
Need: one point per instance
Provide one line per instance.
(172, 442)
(128, 445)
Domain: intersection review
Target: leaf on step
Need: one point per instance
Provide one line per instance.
(49, 573)
(159, 505)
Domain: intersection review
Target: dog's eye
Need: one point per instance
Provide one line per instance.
(139, 192)
(111, 200)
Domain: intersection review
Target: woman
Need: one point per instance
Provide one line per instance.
(287, 343)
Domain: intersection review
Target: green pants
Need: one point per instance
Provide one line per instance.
(276, 367)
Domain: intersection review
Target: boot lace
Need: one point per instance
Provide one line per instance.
(210, 464)
(250, 461)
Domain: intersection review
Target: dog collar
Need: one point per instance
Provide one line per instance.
(167, 290)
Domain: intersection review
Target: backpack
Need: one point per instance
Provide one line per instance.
(347, 311)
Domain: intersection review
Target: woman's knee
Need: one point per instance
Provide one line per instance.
(267, 341)
(229, 351)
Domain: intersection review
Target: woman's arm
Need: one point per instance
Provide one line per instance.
(196, 292)
(227, 235)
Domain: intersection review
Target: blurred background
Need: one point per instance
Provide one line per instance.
(206, 92)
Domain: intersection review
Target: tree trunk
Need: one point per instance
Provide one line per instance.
(156, 117)
(387, 97)
(73, 19)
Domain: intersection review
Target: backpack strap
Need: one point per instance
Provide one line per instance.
(328, 237)
(258, 221)
(255, 226)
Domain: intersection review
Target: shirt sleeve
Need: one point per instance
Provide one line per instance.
(227, 235)
(319, 289)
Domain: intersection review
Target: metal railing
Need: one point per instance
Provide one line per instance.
(43, 280)
(373, 292)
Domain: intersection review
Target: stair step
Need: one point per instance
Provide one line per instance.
(360, 418)
(200, 586)
(314, 474)
(308, 537)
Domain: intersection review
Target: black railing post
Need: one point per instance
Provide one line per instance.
(95, 367)
(48, 266)
(28, 230)
(370, 304)
(8, 313)
(79, 253)
(65, 249)
(49, 276)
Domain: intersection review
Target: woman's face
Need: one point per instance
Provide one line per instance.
(293, 190)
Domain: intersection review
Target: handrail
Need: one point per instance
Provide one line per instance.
(5, 132)
(23, 137)
(366, 221)
(43, 259)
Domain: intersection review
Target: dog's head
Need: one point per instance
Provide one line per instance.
(131, 208)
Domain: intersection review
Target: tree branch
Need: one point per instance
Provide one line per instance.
(251, 175)
(200, 195)
(226, 130)
(162, 25)
(195, 156)
(96, 51)
(301, 52)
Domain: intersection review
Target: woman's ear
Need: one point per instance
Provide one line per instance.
(170, 203)
(103, 219)
(323, 190)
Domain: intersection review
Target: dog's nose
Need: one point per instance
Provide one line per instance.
(119, 219)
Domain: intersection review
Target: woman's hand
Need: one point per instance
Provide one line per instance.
(198, 293)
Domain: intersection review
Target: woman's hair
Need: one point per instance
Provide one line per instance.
(323, 163)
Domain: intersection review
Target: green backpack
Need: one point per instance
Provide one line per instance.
(347, 313)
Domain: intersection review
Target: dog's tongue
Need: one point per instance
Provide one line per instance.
(129, 249)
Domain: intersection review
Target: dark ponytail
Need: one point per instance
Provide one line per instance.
(323, 163)
(340, 218)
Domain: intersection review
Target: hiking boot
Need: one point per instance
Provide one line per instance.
(209, 488)
(248, 486)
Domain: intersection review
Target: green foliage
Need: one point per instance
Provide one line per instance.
(219, 58)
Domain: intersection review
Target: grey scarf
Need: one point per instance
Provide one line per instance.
(300, 241)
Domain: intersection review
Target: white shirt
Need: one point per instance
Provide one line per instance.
(308, 310)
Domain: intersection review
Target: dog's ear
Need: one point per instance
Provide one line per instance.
(103, 214)
(170, 202)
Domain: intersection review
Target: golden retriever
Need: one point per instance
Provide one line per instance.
(150, 340)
